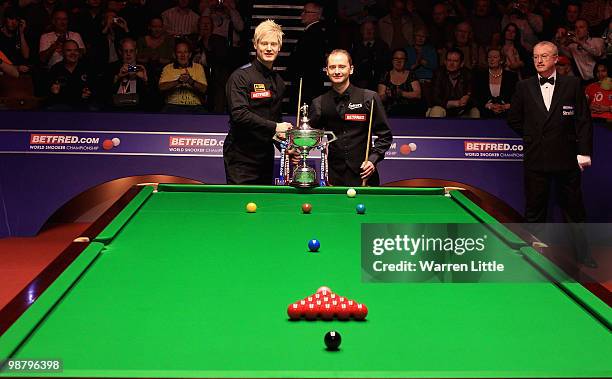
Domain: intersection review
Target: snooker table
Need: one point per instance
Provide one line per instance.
(180, 281)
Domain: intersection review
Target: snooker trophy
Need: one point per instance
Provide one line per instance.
(304, 139)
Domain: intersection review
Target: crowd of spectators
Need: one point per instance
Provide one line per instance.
(450, 58)
(127, 55)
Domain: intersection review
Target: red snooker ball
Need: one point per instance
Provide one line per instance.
(327, 312)
(343, 313)
(294, 311)
(306, 208)
(311, 312)
(360, 312)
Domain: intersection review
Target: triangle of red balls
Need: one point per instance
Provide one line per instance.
(327, 305)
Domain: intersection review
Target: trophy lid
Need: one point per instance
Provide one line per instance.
(304, 120)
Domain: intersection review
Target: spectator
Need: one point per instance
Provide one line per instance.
(572, 13)
(87, 22)
(594, 12)
(13, 42)
(4, 5)
(69, 86)
(607, 36)
(474, 55)
(516, 57)
(441, 32)
(308, 57)
(6, 66)
(397, 28)
(422, 57)
(183, 82)
(114, 30)
(400, 90)
(228, 23)
(351, 15)
(371, 57)
(130, 83)
(583, 49)
(51, 44)
(155, 49)
(180, 20)
(483, 22)
(564, 66)
(599, 94)
(494, 87)
(135, 15)
(452, 89)
(531, 24)
(38, 18)
(213, 54)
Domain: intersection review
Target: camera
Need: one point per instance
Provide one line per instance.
(132, 68)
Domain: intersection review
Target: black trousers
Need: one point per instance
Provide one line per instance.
(344, 176)
(243, 168)
(569, 192)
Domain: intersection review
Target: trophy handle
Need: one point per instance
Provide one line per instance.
(333, 137)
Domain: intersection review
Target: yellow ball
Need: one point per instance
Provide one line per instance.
(251, 207)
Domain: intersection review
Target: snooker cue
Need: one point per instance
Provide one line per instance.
(297, 121)
(367, 152)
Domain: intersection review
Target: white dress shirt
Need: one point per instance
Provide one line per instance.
(547, 90)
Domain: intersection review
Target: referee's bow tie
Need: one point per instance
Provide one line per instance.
(550, 80)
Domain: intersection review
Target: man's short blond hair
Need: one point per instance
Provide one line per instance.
(548, 44)
(268, 27)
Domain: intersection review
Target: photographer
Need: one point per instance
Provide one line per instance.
(530, 24)
(130, 83)
(582, 48)
(183, 82)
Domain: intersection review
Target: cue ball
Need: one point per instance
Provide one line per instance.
(306, 208)
(351, 192)
(314, 245)
(360, 209)
(251, 207)
(332, 340)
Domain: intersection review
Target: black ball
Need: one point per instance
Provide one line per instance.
(332, 340)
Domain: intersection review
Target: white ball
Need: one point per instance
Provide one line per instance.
(412, 146)
(351, 192)
(116, 141)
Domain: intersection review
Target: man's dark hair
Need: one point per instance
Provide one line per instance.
(456, 51)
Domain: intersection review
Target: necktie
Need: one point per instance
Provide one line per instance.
(550, 80)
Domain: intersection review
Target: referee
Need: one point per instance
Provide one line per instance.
(254, 97)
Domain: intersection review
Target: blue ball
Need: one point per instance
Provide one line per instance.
(314, 245)
(360, 209)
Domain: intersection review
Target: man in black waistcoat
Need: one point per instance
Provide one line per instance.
(345, 110)
(550, 112)
(254, 98)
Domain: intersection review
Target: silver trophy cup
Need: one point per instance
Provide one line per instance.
(303, 140)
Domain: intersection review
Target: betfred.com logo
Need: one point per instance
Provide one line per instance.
(58, 139)
(183, 141)
(479, 146)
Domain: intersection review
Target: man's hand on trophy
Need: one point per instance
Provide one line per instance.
(281, 128)
(367, 169)
(294, 156)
